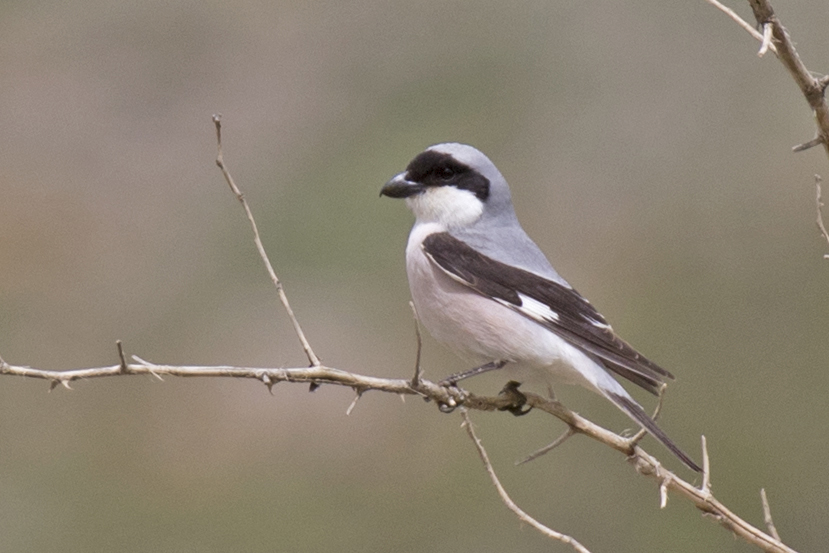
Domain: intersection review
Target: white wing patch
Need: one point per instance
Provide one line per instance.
(599, 324)
(537, 310)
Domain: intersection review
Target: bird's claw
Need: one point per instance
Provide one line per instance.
(446, 408)
(518, 405)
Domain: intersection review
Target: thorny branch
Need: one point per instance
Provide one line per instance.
(811, 87)
(446, 397)
(776, 38)
(746, 27)
(645, 464)
(312, 358)
(520, 513)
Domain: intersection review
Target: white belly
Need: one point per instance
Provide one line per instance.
(481, 330)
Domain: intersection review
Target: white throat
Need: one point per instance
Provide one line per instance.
(448, 206)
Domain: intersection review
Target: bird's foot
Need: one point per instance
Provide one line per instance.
(518, 400)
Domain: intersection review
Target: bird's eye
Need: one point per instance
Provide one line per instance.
(445, 173)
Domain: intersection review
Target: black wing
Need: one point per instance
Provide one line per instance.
(556, 306)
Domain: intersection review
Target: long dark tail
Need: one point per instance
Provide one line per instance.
(634, 411)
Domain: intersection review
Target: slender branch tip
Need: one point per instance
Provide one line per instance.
(816, 141)
(767, 515)
(511, 505)
(283, 298)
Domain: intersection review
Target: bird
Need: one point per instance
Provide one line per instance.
(485, 290)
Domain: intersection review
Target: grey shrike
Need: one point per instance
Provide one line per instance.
(484, 289)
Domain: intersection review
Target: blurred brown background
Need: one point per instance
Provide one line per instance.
(648, 149)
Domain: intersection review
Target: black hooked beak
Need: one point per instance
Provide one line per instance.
(399, 187)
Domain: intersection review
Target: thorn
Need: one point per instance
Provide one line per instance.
(764, 47)
(314, 386)
(149, 366)
(53, 384)
(767, 515)
(354, 403)
(66, 384)
(268, 382)
(706, 469)
(816, 141)
(467, 422)
(663, 493)
(402, 397)
(124, 367)
(662, 389)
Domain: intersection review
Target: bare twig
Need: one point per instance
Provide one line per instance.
(767, 515)
(312, 358)
(548, 448)
(816, 141)
(819, 200)
(522, 516)
(741, 22)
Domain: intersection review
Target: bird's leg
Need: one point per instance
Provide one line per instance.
(457, 377)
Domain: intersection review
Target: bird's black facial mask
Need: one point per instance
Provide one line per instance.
(433, 168)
